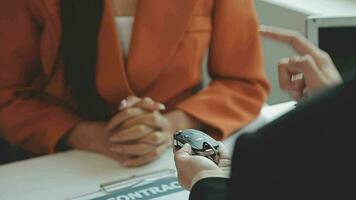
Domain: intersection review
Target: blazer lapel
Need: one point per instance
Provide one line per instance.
(50, 10)
(159, 28)
(112, 82)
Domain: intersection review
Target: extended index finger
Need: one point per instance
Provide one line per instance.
(298, 42)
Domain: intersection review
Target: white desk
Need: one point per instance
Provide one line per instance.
(75, 172)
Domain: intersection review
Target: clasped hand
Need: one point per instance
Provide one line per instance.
(139, 131)
(138, 134)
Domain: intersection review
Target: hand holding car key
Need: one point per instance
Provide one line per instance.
(201, 143)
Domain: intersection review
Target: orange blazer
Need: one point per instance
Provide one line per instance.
(170, 38)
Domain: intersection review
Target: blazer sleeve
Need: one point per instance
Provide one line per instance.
(239, 86)
(210, 189)
(305, 153)
(34, 124)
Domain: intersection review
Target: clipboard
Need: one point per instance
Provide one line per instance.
(155, 185)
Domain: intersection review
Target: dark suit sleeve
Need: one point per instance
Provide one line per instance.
(210, 189)
(305, 154)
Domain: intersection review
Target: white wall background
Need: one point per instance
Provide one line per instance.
(290, 14)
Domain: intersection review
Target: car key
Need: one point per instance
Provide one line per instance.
(201, 143)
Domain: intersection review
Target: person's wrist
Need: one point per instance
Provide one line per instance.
(74, 136)
(85, 135)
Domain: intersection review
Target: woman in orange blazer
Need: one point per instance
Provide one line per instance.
(63, 75)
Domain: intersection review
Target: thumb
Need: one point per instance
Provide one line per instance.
(184, 152)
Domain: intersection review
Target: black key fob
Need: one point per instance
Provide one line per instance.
(201, 143)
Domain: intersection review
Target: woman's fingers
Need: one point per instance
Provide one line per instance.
(148, 104)
(129, 102)
(124, 115)
(145, 145)
(145, 103)
(131, 133)
(118, 157)
(155, 138)
(136, 149)
(155, 119)
(132, 107)
(142, 160)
